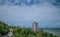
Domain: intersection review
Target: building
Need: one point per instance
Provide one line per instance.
(35, 26)
(10, 33)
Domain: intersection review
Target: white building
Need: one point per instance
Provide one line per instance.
(10, 33)
(35, 26)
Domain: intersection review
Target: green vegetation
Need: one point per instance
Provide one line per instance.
(22, 32)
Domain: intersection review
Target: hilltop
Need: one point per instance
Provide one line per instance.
(22, 32)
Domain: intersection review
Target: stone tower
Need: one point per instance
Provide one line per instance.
(35, 26)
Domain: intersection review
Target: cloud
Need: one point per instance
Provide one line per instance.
(45, 14)
(55, 3)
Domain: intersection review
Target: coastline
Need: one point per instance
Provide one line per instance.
(54, 31)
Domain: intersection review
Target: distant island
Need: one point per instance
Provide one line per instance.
(21, 32)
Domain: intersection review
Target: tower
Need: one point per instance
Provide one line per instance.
(35, 26)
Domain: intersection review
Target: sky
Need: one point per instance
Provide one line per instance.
(24, 12)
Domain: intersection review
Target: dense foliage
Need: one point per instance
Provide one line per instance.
(22, 32)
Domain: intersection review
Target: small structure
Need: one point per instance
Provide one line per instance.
(10, 33)
(35, 26)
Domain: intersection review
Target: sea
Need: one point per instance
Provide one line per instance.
(54, 31)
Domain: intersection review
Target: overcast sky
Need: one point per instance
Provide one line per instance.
(45, 12)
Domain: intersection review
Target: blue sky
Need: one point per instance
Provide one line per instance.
(45, 12)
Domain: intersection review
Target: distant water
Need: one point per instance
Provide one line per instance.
(54, 31)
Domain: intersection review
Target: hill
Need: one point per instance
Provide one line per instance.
(22, 32)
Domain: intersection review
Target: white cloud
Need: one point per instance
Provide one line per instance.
(43, 13)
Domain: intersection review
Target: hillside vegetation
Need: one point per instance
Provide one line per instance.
(22, 32)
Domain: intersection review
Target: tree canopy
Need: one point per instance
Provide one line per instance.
(22, 32)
